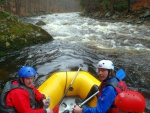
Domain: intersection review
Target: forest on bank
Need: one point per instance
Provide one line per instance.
(31, 7)
(117, 9)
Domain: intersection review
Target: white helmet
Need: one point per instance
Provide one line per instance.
(106, 64)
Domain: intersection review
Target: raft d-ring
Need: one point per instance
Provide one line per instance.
(64, 105)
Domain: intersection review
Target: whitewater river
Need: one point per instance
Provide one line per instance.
(81, 41)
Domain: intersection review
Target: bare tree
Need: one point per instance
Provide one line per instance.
(17, 6)
(37, 6)
(7, 5)
(129, 6)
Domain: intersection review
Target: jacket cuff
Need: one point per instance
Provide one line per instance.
(42, 99)
(45, 111)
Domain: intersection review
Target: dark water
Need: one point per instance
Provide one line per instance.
(67, 53)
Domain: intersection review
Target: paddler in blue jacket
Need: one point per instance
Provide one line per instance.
(108, 93)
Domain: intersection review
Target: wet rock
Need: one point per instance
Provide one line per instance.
(147, 14)
(108, 14)
(16, 34)
(40, 23)
(128, 21)
(139, 22)
(115, 16)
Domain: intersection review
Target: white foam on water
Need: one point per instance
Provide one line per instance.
(73, 28)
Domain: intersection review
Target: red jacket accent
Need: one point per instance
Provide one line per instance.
(20, 100)
(119, 87)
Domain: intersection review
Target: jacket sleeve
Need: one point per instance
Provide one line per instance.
(104, 101)
(39, 97)
(21, 101)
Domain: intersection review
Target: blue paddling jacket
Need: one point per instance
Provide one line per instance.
(105, 100)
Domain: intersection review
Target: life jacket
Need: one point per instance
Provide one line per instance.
(7, 88)
(119, 87)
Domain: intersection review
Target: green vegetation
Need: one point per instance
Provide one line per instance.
(15, 35)
(116, 10)
(4, 15)
(1, 1)
(103, 5)
(120, 6)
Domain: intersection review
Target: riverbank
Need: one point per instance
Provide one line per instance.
(138, 12)
(138, 17)
(15, 34)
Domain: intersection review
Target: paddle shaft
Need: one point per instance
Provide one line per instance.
(70, 84)
(88, 99)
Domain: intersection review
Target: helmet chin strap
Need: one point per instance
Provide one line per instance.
(109, 73)
(21, 81)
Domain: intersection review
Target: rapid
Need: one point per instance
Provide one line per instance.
(82, 41)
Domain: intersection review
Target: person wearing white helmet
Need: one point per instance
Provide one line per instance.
(20, 96)
(105, 69)
(108, 90)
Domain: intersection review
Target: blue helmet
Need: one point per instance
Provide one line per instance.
(26, 71)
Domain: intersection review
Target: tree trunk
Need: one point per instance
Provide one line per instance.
(7, 5)
(129, 6)
(17, 5)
